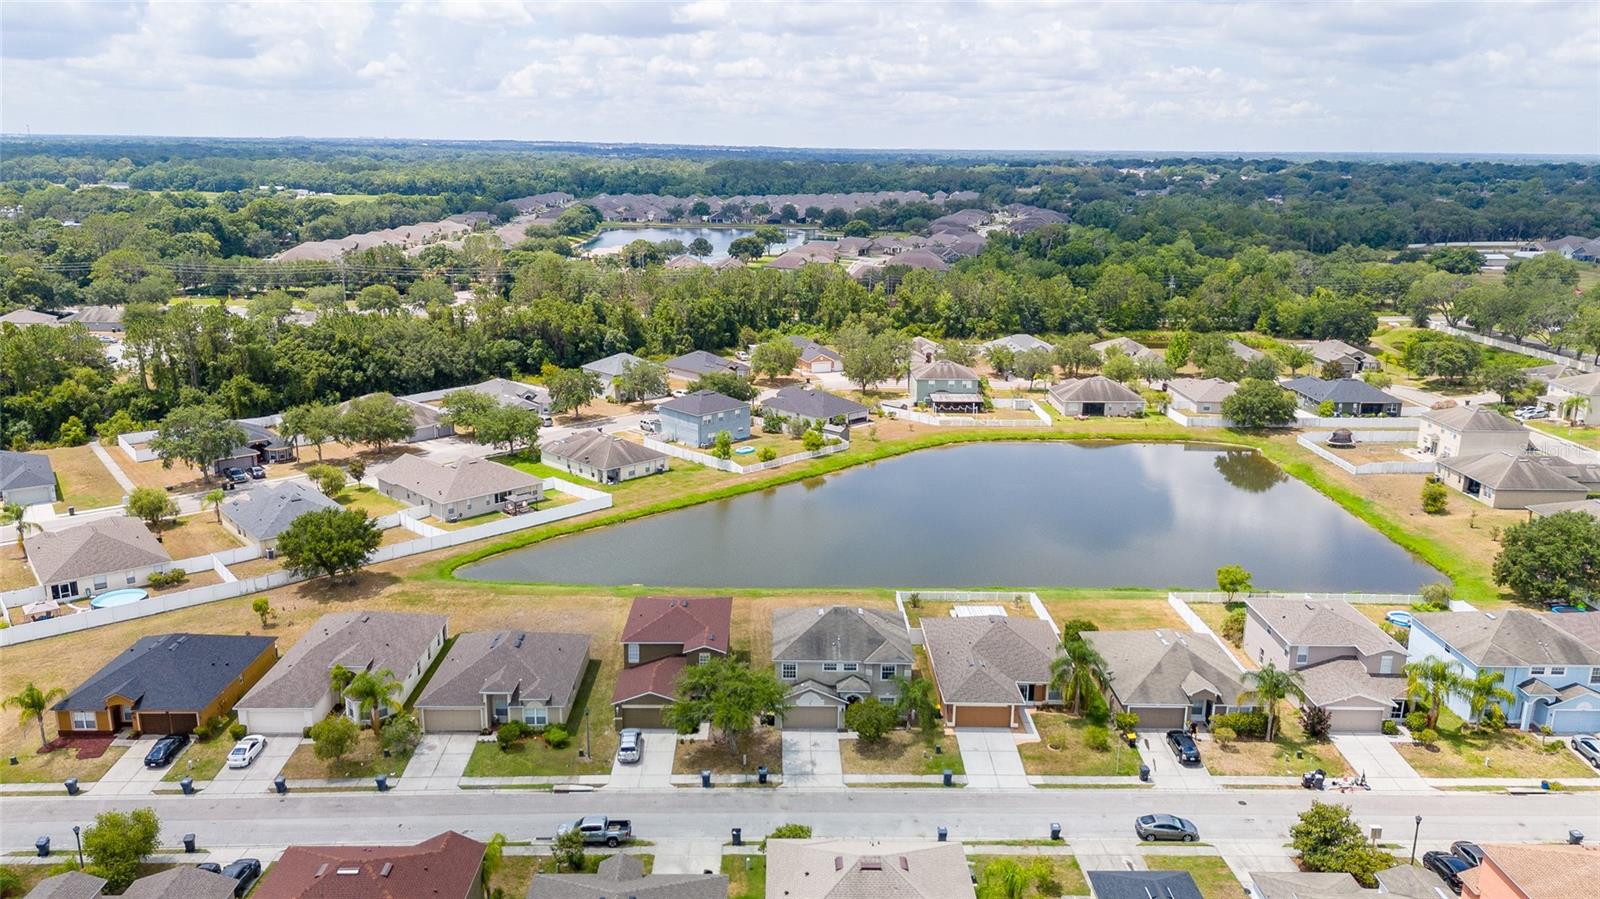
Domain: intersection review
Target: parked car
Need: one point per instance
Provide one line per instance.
(1468, 852)
(547, 421)
(165, 750)
(1587, 746)
(1447, 866)
(246, 871)
(1183, 747)
(245, 751)
(236, 476)
(598, 829)
(1166, 827)
(649, 425)
(212, 867)
(630, 745)
(257, 472)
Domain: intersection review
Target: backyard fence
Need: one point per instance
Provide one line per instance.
(1403, 599)
(987, 597)
(702, 458)
(1578, 363)
(1040, 419)
(1314, 441)
(1406, 421)
(1562, 448)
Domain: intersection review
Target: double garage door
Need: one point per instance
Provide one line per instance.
(813, 717)
(640, 716)
(1575, 721)
(166, 722)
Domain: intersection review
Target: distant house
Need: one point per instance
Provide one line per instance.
(610, 369)
(921, 258)
(1506, 480)
(25, 317)
(491, 678)
(465, 488)
(1469, 431)
(427, 422)
(815, 358)
(1349, 397)
(924, 351)
(852, 246)
(95, 556)
(835, 655)
(690, 366)
(182, 882)
(1017, 343)
(962, 220)
(262, 514)
(296, 693)
(1200, 396)
(662, 636)
(893, 869)
(1353, 360)
(1247, 354)
(26, 478)
(791, 260)
(1129, 347)
(1145, 884)
(989, 668)
(447, 866)
(1584, 387)
(622, 875)
(812, 405)
(1095, 396)
(166, 684)
(1169, 677)
(98, 319)
(684, 262)
(946, 386)
(262, 446)
(697, 418)
(506, 392)
(1346, 663)
(603, 458)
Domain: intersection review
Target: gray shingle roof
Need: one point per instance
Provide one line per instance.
(22, 470)
(71, 885)
(1339, 390)
(1202, 390)
(1512, 471)
(601, 451)
(266, 512)
(543, 666)
(982, 659)
(1244, 351)
(1306, 885)
(1143, 884)
(1511, 638)
(1308, 622)
(182, 882)
(1331, 682)
(1332, 350)
(943, 370)
(809, 402)
(24, 317)
(623, 875)
(867, 869)
(1583, 385)
(701, 362)
(612, 365)
(1017, 343)
(702, 402)
(810, 348)
(1096, 389)
(169, 672)
(98, 547)
(840, 634)
(1156, 667)
(1471, 419)
(360, 641)
(461, 480)
(1133, 349)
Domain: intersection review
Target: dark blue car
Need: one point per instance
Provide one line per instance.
(165, 750)
(1183, 747)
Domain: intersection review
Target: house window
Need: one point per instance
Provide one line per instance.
(64, 591)
(84, 721)
(633, 653)
(850, 666)
(132, 579)
(830, 666)
(1026, 690)
(99, 583)
(1537, 671)
(887, 672)
(1302, 654)
(538, 716)
(1594, 675)
(1557, 671)
(789, 671)
(500, 710)
(705, 657)
(1386, 664)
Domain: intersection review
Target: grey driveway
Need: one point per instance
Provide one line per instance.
(1164, 768)
(128, 776)
(258, 777)
(438, 764)
(811, 760)
(653, 771)
(1375, 756)
(991, 759)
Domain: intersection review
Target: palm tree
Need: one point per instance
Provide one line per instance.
(31, 704)
(373, 690)
(339, 678)
(214, 500)
(1078, 669)
(1271, 685)
(914, 701)
(1482, 689)
(493, 859)
(1572, 405)
(1433, 680)
(11, 513)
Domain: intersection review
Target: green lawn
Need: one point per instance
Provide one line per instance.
(1210, 873)
(203, 759)
(1061, 750)
(366, 760)
(460, 523)
(369, 501)
(532, 757)
(1585, 436)
(901, 752)
(1062, 875)
(747, 876)
(1508, 753)
(1278, 758)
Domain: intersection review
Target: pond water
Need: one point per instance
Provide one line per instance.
(718, 237)
(999, 514)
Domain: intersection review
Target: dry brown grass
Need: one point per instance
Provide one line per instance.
(762, 747)
(84, 480)
(256, 567)
(195, 579)
(366, 760)
(14, 570)
(196, 535)
(1113, 610)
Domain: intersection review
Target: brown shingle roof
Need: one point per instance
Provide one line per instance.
(543, 667)
(441, 867)
(462, 480)
(867, 869)
(182, 883)
(70, 885)
(982, 659)
(697, 622)
(1161, 666)
(98, 547)
(655, 678)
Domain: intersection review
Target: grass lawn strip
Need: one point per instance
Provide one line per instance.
(747, 876)
(1278, 758)
(203, 759)
(1509, 753)
(82, 480)
(1061, 750)
(368, 500)
(901, 752)
(1066, 878)
(764, 746)
(364, 761)
(1211, 874)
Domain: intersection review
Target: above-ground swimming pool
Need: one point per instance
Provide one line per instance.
(744, 450)
(117, 598)
(1398, 618)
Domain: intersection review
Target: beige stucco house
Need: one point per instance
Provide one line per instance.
(1346, 663)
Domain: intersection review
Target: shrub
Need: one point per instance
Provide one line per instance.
(357, 469)
(1435, 598)
(508, 734)
(1224, 735)
(1435, 497)
(1427, 736)
(237, 732)
(723, 447)
(1494, 718)
(1389, 727)
(772, 423)
(1233, 627)
(1072, 627)
(556, 737)
(204, 731)
(812, 441)
(1097, 738)
(400, 734)
(1126, 720)
(766, 454)
(333, 737)
(168, 578)
(1095, 710)
(787, 832)
(1243, 724)
(870, 719)
(1316, 721)
(1416, 721)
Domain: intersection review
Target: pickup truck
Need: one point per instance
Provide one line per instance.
(598, 830)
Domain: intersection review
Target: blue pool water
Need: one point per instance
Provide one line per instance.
(1398, 618)
(117, 598)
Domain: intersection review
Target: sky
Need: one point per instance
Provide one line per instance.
(1204, 77)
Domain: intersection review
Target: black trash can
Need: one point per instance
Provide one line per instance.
(43, 846)
(949, 778)
(944, 834)
(187, 785)
(1055, 830)
(72, 786)
(705, 778)
(383, 782)
(1144, 773)
(761, 774)
(280, 785)
(188, 843)
(738, 837)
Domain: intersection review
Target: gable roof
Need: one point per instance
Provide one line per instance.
(1202, 390)
(656, 678)
(539, 666)
(1305, 885)
(810, 349)
(601, 451)
(23, 317)
(1133, 349)
(360, 641)
(1143, 884)
(445, 866)
(169, 672)
(982, 659)
(1512, 471)
(840, 634)
(1244, 351)
(182, 882)
(1096, 389)
(22, 470)
(1511, 638)
(867, 869)
(921, 258)
(1546, 871)
(511, 393)
(1310, 622)
(463, 479)
(1017, 343)
(1471, 419)
(612, 365)
(623, 875)
(702, 402)
(1332, 350)
(1583, 385)
(1165, 666)
(70, 885)
(701, 362)
(1340, 680)
(101, 546)
(1339, 390)
(266, 512)
(697, 622)
(943, 370)
(811, 402)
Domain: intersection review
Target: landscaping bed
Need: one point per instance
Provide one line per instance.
(1061, 750)
(901, 752)
(365, 760)
(764, 746)
(1065, 877)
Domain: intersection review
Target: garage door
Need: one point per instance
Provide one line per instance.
(634, 716)
(1575, 721)
(452, 721)
(1356, 721)
(166, 722)
(811, 718)
(274, 721)
(1159, 719)
(982, 716)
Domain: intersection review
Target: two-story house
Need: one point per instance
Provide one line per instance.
(1347, 664)
(835, 655)
(697, 418)
(1468, 431)
(946, 386)
(1551, 662)
(664, 635)
(989, 669)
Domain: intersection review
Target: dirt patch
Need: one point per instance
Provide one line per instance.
(196, 535)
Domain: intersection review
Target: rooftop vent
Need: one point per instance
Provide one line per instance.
(838, 863)
(905, 863)
(355, 870)
(387, 867)
(321, 869)
(872, 863)
(520, 638)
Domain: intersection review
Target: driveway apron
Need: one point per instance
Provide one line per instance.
(991, 759)
(258, 777)
(811, 761)
(1165, 770)
(1374, 755)
(653, 771)
(438, 763)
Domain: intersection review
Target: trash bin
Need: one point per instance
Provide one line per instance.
(949, 778)
(761, 774)
(738, 837)
(188, 843)
(944, 834)
(43, 845)
(1055, 830)
(1544, 784)
(705, 778)
(1144, 773)
(383, 782)
(1575, 837)
(72, 786)
(280, 785)
(187, 785)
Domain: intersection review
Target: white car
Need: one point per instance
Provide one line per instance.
(245, 751)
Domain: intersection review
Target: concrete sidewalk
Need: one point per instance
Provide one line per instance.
(1374, 755)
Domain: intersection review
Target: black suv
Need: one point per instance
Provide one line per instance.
(1183, 747)
(246, 871)
(165, 750)
(1448, 866)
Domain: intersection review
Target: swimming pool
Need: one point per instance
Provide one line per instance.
(117, 598)
(744, 450)
(1398, 618)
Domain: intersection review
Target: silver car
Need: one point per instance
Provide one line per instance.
(630, 746)
(1166, 827)
(1588, 746)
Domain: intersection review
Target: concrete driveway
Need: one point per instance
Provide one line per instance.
(653, 771)
(438, 764)
(991, 759)
(1164, 768)
(128, 776)
(1375, 756)
(258, 777)
(811, 760)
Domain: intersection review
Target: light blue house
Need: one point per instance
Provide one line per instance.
(1551, 662)
(697, 418)
(947, 386)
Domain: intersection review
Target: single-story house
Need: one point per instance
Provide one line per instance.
(1201, 396)
(261, 514)
(697, 418)
(1532, 870)
(25, 317)
(1513, 480)
(1469, 431)
(427, 422)
(947, 386)
(26, 478)
(1563, 389)
(1016, 343)
(989, 668)
(622, 875)
(791, 260)
(182, 882)
(465, 488)
(834, 868)
(506, 392)
(835, 655)
(98, 319)
(1169, 677)
(447, 866)
(166, 684)
(1349, 396)
(609, 369)
(683, 262)
(852, 246)
(603, 458)
(922, 258)
(95, 556)
(813, 405)
(690, 366)
(1589, 506)
(1097, 395)
(1246, 353)
(1129, 347)
(68, 885)
(262, 446)
(1353, 360)
(815, 358)
(1347, 664)
(1143, 884)
(296, 693)
(491, 678)
(662, 636)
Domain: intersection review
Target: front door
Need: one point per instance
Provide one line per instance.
(1209, 706)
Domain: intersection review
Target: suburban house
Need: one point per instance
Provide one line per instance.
(1348, 396)
(1353, 360)
(835, 655)
(603, 458)
(448, 866)
(95, 556)
(1541, 657)
(622, 875)
(924, 351)
(815, 358)
(922, 258)
(1200, 396)
(1469, 431)
(491, 678)
(1017, 343)
(261, 446)
(663, 635)
(900, 869)
(989, 668)
(1095, 396)
(68, 885)
(946, 386)
(1533, 871)
(1347, 664)
(1515, 480)
(790, 260)
(506, 392)
(1398, 882)
(697, 418)
(25, 317)
(609, 369)
(1247, 354)
(166, 684)
(1144, 885)
(813, 406)
(1586, 388)
(26, 478)
(690, 366)
(1169, 677)
(427, 422)
(1587, 506)
(260, 515)
(98, 319)
(296, 693)
(182, 882)
(465, 488)
(1129, 347)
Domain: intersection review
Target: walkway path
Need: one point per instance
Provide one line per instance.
(1375, 756)
(125, 482)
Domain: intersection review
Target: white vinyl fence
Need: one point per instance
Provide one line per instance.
(1407, 421)
(1316, 442)
(1577, 361)
(1040, 419)
(978, 597)
(678, 451)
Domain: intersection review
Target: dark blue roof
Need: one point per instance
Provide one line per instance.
(1143, 884)
(169, 672)
(1341, 390)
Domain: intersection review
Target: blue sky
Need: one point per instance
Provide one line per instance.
(1382, 77)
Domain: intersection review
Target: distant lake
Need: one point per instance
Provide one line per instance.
(718, 237)
(999, 514)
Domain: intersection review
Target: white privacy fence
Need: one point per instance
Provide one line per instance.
(1562, 448)
(678, 451)
(1040, 419)
(1407, 421)
(1316, 440)
(1578, 363)
(1404, 599)
(904, 598)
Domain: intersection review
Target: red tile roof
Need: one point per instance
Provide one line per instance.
(652, 677)
(445, 866)
(697, 622)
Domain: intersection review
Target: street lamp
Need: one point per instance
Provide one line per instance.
(76, 831)
(1414, 835)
